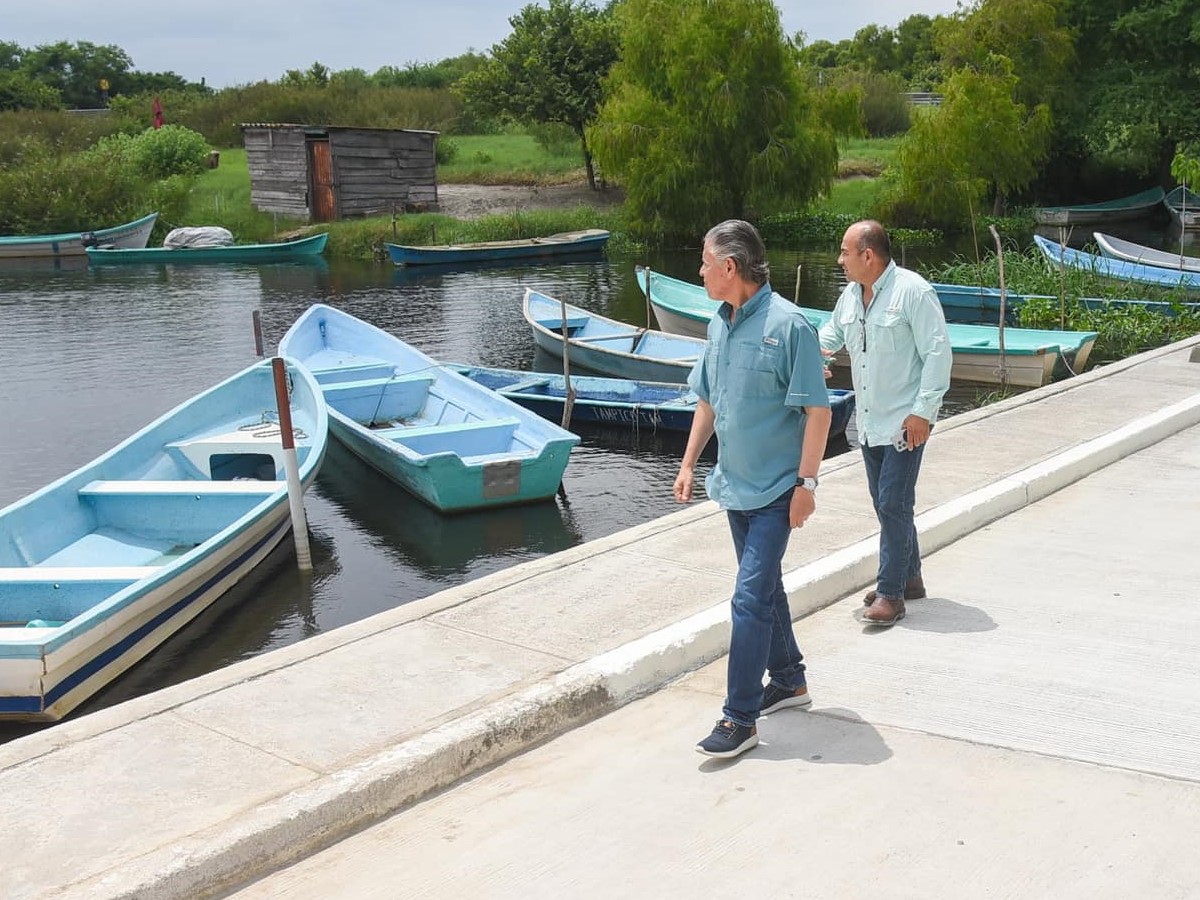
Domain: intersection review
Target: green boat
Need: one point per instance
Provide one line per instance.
(1135, 206)
(283, 251)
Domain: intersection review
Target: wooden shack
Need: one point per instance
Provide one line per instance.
(330, 172)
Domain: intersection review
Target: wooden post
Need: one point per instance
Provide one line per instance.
(797, 294)
(569, 405)
(258, 337)
(1062, 278)
(1003, 298)
(290, 467)
(646, 269)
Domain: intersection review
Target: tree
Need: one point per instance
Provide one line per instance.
(707, 113)
(19, 91)
(76, 70)
(550, 68)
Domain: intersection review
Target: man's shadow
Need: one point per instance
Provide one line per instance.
(938, 615)
(825, 736)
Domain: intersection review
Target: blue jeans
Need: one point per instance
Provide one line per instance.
(762, 636)
(892, 481)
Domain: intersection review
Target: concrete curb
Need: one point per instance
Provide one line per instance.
(341, 802)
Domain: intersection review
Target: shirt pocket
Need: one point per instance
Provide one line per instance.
(758, 368)
(887, 333)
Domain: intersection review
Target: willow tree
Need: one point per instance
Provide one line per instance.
(707, 115)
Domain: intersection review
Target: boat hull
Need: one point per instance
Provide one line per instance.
(556, 245)
(1115, 248)
(141, 558)
(1117, 269)
(284, 251)
(130, 235)
(1125, 209)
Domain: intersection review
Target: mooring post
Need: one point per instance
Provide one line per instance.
(290, 467)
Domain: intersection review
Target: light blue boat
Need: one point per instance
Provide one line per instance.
(75, 243)
(1117, 269)
(103, 565)
(447, 440)
(607, 346)
(1030, 356)
(981, 305)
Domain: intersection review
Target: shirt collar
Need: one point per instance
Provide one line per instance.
(882, 283)
(757, 299)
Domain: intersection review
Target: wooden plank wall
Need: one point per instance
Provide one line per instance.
(278, 163)
(378, 171)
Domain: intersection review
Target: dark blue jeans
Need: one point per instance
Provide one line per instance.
(892, 480)
(762, 638)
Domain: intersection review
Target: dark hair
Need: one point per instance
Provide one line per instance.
(740, 241)
(872, 236)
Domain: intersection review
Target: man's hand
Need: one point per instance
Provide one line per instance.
(828, 354)
(917, 430)
(804, 504)
(683, 484)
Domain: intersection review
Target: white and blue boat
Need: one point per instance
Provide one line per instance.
(1027, 358)
(617, 402)
(607, 346)
(131, 235)
(441, 436)
(103, 565)
(1117, 269)
(1116, 248)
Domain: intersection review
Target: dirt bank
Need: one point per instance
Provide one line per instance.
(472, 201)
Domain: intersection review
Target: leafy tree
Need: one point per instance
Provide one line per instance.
(549, 69)
(708, 113)
(980, 140)
(19, 91)
(316, 75)
(75, 70)
(441, 74)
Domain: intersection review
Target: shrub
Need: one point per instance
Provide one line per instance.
(170, 150)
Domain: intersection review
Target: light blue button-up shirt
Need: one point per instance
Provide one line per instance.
(758, 371)
(903, 366)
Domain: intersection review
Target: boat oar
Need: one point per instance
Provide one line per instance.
(290, 467)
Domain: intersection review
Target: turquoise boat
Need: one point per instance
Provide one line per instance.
(976, 304)
(568, 243)
(131, 235)
(1122, 209)
(283, 251)
(1031, 357)
(1117, 269)
(102, 566)
(447, 440)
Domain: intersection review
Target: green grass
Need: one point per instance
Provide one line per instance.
(221, 196)
(866, 156)
(506, 159)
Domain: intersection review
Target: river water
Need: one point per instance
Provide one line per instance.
(89, 356)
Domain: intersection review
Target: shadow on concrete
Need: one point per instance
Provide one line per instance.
(830, 736)
(937, 615)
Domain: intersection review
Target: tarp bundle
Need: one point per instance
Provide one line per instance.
(198, 236)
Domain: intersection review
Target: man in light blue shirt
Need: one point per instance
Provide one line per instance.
(891, 322)
(761, 389)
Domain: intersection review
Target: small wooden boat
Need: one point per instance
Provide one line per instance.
(1184, 207)
(131, 234)
(567, 243)
(1032, 356)
(103, 565)
(283, 251)
(1115, 248)
(607, 346)
(1135, 206)
(616, 402)
(441, 436)
(1117, 269)
(977, 304)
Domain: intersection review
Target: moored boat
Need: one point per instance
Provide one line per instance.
(1183, 206)
(976, 304)
(282, 251)
(1116, 248)
(1117, 269)
(1031, 356)
(100, 567)
(616, 402)
(609, 347)
(448, 441)
(567, 243)
(74, 243)
(1121, 209)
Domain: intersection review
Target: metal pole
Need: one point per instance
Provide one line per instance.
(258, 337)
(290, 467)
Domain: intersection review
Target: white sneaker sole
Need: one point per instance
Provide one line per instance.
(745, 745)
(787, 703)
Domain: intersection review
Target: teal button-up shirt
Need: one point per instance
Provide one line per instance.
(759, 369)
(900, 355)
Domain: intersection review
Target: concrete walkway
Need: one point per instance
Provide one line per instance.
(207, 784)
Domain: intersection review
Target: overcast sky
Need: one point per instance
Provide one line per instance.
(231, 42)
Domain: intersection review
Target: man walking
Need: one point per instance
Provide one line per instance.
(891, 322)
(762, 391)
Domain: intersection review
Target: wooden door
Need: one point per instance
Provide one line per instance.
(322, 202)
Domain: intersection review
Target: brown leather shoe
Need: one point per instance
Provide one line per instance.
(884, 611)
(914, 589)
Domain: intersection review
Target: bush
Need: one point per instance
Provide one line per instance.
(445, 152)
(170, 150)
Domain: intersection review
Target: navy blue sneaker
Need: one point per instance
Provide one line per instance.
(728, 739)
(776, 698)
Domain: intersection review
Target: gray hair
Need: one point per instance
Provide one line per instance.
(740, 241)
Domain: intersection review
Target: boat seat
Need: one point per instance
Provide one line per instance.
(332, 389)
(241, 452)
(475, 438)
(526, 383)
(43, 574)
(335, 374)
(149, 488)
(573, 323)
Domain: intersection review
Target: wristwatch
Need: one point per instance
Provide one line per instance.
(809, 484)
